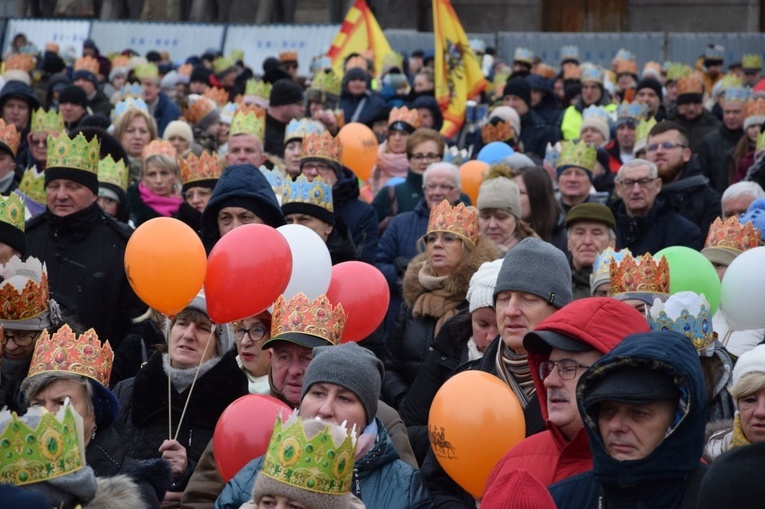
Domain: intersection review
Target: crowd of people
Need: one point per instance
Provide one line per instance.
(546, 276)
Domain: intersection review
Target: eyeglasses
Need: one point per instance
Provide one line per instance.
(643, 182)
(256, 333)
(433, 187)
(667, 145)
(21, 338)
(42, 142)
(567, 368)
(426, 157)
(446, 238)
(318, 167)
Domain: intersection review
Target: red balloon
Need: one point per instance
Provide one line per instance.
(247, 270)
(362, 290)
(244, 430)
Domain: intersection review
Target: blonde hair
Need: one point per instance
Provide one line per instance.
(748, 385)
(120, 127)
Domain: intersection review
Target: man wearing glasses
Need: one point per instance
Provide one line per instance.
(560, 349)
(643, 223)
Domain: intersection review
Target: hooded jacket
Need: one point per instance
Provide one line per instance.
(358, 215)
(662, 227)
(429, 102)
(669, 476)
(692, 197)
(373, 103)
(715, 155)
(19, 90)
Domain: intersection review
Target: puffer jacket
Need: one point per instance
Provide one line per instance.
(381, 480)
(358, 215)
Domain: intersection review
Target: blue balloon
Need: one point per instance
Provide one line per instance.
(395, 181)
(494, 152)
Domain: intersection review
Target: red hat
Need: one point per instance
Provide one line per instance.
(517, 489)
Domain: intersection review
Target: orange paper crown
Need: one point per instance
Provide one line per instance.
(459, 220)
(572, 71)
(87, 63)
(20, 62)
(204, 167)
(9, 137)
(755, 107)
(52, 47)
(198, 109)
(67, 352)
(690, 85)
(405, 115)
(544, 70)
(732, 235)
(243, 107)
(218, 95)
(644, 275)
(288, 56)
(322, 146)
(17, 304)
(626, 67)
(160, 147)
(500, 132)
(318, 318)
(120, 61)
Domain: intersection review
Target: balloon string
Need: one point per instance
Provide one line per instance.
(193, 381)
(169, 401)
(727, 337)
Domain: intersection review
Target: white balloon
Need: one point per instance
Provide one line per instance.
(311, 263)
(742, 287)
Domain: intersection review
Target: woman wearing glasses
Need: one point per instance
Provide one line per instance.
(250, 334)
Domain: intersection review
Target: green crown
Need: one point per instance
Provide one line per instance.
(322, 464)
(113, 172)
(328, 82)
(247, 123)
(77, 153)
(40, 445)
(147, 70)
(641, 131)
(12, 211)
(257, 88)
(47, 121)
(32, 184)
(578, 154)
(676, 70)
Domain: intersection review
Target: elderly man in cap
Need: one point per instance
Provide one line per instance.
(644, 407)
(591, 229)
(284, 104)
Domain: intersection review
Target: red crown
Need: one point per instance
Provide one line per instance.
(67, 352)
(459, 220)
(405, 115)
(160, 147)
(9, 136)
(218, 95)
(641, 275)
(318, 318)
(732, 235)
(204, 167)
(500, 132)
(17, 304)
(322, 146)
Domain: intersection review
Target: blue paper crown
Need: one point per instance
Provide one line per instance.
(631, 111)
(597, 111)
(456, 156)
(601, 267)
(131, 90)
(130, 103)
(275, 179)
(227, 112)
(569, 53)
(624, 54)
(299, 129)
(738, 94)
(552, 155)
(524, 55)
(321, 63)
(591, 72)
(696, 327)
(316, 192)
(714, 52)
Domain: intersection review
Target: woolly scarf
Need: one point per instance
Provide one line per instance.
(255, 384)
(163, 205)
(513, 369)
(739, 438)
(182, 377)
(437, 301)
(389, 165)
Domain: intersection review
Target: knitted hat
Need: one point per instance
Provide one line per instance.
(350, 366)
(536, 267)
(200, 74)
(285, 92)
(598, 124)
(72, 94)
(499, 193)
(516, 161)
(507, 114)
(755, 215)
(752, 361)
(651, 83)
(518, 87)
(517, 489)
(179, 128)
(481, 290)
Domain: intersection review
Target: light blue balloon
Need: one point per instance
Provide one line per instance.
(395, 181)
(494, 152)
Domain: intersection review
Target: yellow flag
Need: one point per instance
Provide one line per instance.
(458, 73)
(359, 33)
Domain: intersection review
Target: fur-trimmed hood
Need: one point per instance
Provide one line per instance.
(456, 284)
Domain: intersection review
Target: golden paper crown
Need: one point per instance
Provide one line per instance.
(120, 61)
(220, 64)
(288, 56)
(9, 137)
(24, 291)
(732, 235)
(20, 62)
(146, 70)
(12, 211)
(755, 107)
(578, 154)
(752, 61)
(690, 85)
(66, 352)
(544, 70)
(652, 67)
(32, 185)
(572, 71)
(675, 71)
(198, 108)
(641, 133)
(47, 121)
(257, 88)
(322, 146)
(41, 445)
(243, 107)
(87, 63)
(204, 167)
(405, 115)
(52, 47)
(218, 95)
(318, 318)
(186, 69)
(459, 220)
(159, 147)
(327, 81)
(113, 172)
(77, 153)
(247, 123)
(644, 275)
(500, 132)
(626, 67)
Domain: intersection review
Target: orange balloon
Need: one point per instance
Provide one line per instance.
(165, 263)
(474, 420)
(359, 149)
(471, 176)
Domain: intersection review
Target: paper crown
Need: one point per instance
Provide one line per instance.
(149, 70)
(276, 179)
(316, 192)
(732, 235)
(198, 108)
(597, 111)
(20, 62)
(40, 445)
(288, 56)
(624, 54)
(127, 104)
(299, 129)
(737, 94)
(243, 107)
(578, 154)
(601, 268)
(87, 63)
(130, 90)
(652, 68)
(405, 115)
(676, 70)
(322, 146)
(237, 55)
(456, 156)
(752, 61)
(690, 85)
(204, 167)
(755, 107)
(186, 69)
(52, 47)
(312, 456)
(318, 318)
(66, 352)
(626, 67)
(257, 88)
(9, 137)
(113, 172)
(12, 211)
(569, 53)
(120, 61)
(227, 112)
(523, 55)
(458, 219)
(327, 82)
(501, 131)
(47, 121)
(687, 313)
(552, 154)
(159, 147)
(631, 112)
(32, 185)
(760, 145)
(24, 292)
(217, 95)
(77, 153)
(591, 72)
(641, 133)
(640, 277)
(220, 64)
(572, 71)
(714, 52)
(544, 70)
(247, 123)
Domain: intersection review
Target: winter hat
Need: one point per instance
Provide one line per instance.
(169, 80)
(734, 479)
(118, 71)
(223, 332)
(752, 361)
(651, 83)
(500, 193)
(518, 87)
(755, 215)
(507, 114)
(598, 124)
(517, 489)
(285, 92)
(350, 366)
(551, 281)
(516, 161)
(481, 290)
(591, 212)
(200, 74)
(179, 128)
(73, 94)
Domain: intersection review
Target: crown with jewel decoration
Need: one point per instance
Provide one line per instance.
(755, 108)
(552, 154)
(544, 70)
(689, 314)
(24, 291)
(198, 108)
(127, 104)
(569, 53)
(159, 147)
(40, 445)
(578, 154)
(322, 146)
(20, 62)
(500, 131)
(66, 352)
(405, 115)
(220, 64)
(737, 94)
(728, 239)
(299, 129)
(327, 82)
(120, 61)
(458, 219)
(631, 113)
(12, 211)
(626, 67)
(572, 71)
(597, 111)
(9, 137)
(692, 84)
(601, 268)
(32, 185)
(591, 72)
(77, 153)
(643, 278)
(257, 88)
(148, 70)
(676, 70)
(751, 62)
(248, 123)
(641, 133)
(113, 172)
(204, 167)
(288, 56)
(523, 55)
(87, 63)
(316, 194)
(624, 54)
(47, 121)
(275, 179)
(217, 95)
(299, 315)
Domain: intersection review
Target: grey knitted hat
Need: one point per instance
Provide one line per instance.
(350, 366)
(536, 267)
(500, 193)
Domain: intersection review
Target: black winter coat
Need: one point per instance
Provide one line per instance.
(698, 128)
(715, 155)
(536, 134)
(358, 215)
(661, 228)
(692, 197)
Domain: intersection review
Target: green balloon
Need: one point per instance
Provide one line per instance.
(690, 271)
